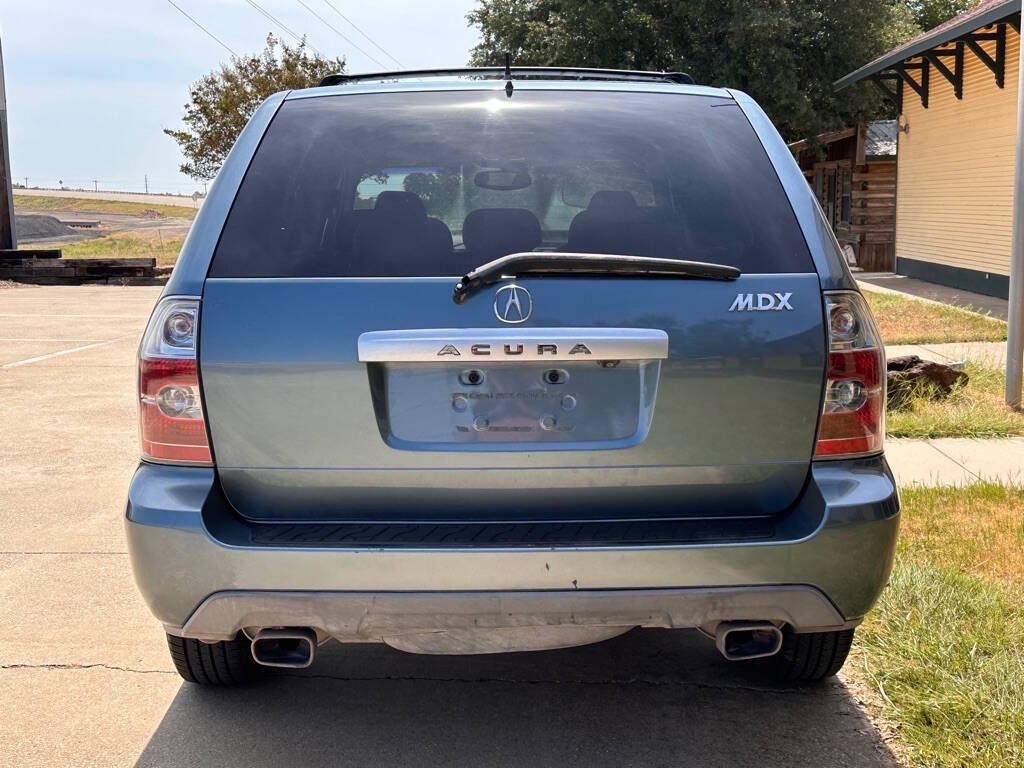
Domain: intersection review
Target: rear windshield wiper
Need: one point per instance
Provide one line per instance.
(546, 262)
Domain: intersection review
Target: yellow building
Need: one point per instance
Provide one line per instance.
(955, 91)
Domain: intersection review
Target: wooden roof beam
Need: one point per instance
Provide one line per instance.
(889, 93)
(920, 88)
(956, 75)
(998, 64)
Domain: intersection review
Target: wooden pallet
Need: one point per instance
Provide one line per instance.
(60, 271)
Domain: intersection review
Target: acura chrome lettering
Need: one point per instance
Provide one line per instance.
(510, 350)
(438, 345)
(761, 302)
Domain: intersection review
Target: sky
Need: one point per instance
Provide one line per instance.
(91, 84)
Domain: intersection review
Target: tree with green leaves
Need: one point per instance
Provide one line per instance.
(930, 13)
(438, 191)
(785, 53)
(222, 102)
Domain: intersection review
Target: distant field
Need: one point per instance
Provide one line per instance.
(142, 243)
(80, 204)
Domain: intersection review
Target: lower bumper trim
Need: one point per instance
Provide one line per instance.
(384, 616)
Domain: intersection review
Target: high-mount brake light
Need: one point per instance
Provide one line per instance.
(171, 420)
(853, 414)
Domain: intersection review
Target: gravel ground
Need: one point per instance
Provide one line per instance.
(37, 226)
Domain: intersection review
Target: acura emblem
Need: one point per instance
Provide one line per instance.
(512, 304)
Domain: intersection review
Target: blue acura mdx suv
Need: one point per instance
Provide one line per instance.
(499, 360)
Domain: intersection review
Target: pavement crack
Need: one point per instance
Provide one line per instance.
(111, 667)
(965, 469)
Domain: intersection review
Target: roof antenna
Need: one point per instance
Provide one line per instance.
(508, 74)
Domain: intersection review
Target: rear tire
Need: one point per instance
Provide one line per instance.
(228, 662)
(811, 656)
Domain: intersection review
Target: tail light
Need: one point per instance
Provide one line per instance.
(171, 418)
(853, 414)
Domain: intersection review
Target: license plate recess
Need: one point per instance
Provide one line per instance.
(553, 398)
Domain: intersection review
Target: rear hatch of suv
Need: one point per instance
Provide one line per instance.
(343, 382)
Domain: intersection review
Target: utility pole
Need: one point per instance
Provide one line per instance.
(8, 239)
(145, 180)
(1015, 316)
(95, 186)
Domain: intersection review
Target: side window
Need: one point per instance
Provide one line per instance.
(438, 188)
(371, 185)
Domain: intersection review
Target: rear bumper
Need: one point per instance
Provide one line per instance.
(823, 569)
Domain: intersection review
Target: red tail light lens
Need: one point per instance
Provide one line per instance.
(853, 414)
(171, 418)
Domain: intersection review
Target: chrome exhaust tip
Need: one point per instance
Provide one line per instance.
(291, 647)
(742, 640)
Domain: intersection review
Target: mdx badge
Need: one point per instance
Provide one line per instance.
(761, 302)
(513, 304)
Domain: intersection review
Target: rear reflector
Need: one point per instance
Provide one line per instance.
(170, 407)
(853, 414)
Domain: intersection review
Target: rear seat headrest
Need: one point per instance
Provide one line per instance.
(395, 201)
(489, 233)
(611, 199)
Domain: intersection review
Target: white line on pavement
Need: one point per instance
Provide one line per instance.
(40, 358)
(69, 341)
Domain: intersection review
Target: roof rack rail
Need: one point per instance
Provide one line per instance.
(563, 73)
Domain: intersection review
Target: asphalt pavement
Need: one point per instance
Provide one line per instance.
(85, 678)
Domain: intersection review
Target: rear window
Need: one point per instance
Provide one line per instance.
(436, 183)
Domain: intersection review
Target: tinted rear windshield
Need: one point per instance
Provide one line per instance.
(437, 183)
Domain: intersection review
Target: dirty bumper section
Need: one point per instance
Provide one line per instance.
(492, 622)
(820, 576)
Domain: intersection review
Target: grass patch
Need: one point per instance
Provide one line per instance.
(909, 321)
(87, 205)
(977, 409)
(945, 646)
(978, 530)
(142, 243)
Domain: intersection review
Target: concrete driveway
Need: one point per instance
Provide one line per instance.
(85, 678)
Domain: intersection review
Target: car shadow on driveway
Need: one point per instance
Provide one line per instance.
(651, 697)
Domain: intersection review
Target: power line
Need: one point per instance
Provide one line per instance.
(219, 41)
(339, 34)
(282, 26)
(357, 29)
